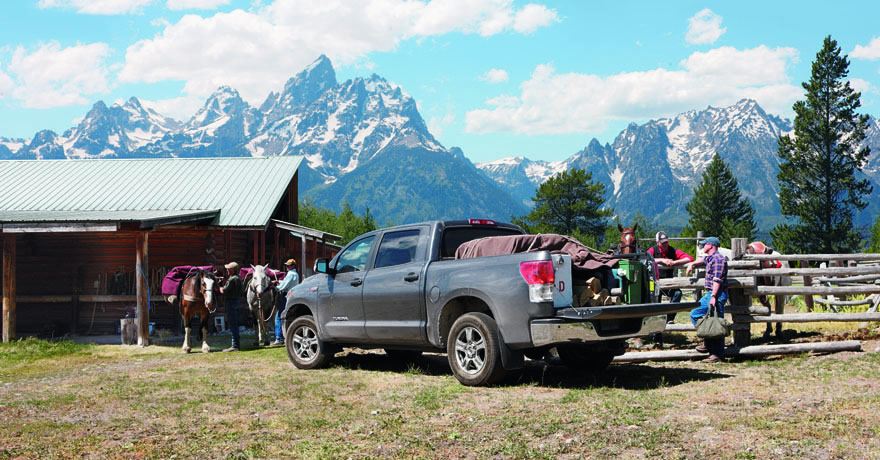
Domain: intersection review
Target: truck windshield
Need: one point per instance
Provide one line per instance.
(456, 236)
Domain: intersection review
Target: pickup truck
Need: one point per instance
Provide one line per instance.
(402, 289)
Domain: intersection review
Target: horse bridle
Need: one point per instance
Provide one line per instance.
(252, 287)
(635, 243)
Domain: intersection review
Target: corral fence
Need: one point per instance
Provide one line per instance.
(839, 276)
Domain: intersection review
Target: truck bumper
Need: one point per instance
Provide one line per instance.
(584, 325)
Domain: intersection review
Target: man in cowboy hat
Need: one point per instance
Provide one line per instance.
(231, 291)
(291, 279)
(716, 295)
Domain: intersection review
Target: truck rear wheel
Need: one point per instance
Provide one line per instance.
(474, 350)
(304, 349)
(584, 358)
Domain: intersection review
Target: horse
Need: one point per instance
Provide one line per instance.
(757, 247)
(261, 302)
(197, 298)
(628, 242)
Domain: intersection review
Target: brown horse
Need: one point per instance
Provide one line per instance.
(197, 298)
(628, 241)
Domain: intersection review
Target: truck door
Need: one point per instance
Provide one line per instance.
(343, 295)
(393, 297)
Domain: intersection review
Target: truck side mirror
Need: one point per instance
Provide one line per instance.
(322, 265)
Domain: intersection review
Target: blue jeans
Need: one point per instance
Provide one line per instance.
(674, 297)
(715, 346)
(280, 305)
(232, 313)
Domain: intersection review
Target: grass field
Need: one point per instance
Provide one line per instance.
(64, 400)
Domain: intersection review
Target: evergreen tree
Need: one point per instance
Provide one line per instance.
(874, 244)
(818, 189)
(718, 208)
(569, 203)
(346, 224)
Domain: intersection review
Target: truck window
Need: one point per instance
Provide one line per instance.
(397, 248)
(456, 236)
(354, 259)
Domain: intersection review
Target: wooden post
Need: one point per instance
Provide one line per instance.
(8, 287)
(808, 281)
(142, 289)
(276, 255)
(741, 337)
(302, 259)
(262, 247)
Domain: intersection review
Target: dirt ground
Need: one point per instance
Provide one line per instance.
(115, 401)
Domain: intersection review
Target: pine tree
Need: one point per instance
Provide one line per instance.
(346, 224)
(874, 243)
(818, 189)
(718, 208)
(569, 203)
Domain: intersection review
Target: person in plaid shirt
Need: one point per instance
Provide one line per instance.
(716, 295)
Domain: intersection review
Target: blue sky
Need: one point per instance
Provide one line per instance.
(493, 77)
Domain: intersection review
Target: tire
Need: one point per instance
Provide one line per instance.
(474, 350)
(584, 358)
(304, 349)
(403, 356)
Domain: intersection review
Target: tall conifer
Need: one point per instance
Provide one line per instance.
(818, 188)
(718, 208)
(569, 203)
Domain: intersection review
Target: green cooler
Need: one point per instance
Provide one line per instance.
(630, 275)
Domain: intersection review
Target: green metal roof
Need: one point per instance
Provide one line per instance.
(244, 190)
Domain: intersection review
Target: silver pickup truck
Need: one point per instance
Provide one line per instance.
(402, 289)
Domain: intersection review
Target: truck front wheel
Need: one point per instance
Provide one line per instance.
(304, 349)
(474, 350)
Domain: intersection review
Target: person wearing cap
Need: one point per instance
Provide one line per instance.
(291, 279)
(667, 258)
(231, 291)
(716, 295)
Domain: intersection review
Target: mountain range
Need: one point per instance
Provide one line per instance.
(365, 142)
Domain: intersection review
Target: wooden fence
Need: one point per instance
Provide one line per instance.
(859, 275)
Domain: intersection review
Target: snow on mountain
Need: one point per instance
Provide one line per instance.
(10, 146)
(521, 176)
(652, 169)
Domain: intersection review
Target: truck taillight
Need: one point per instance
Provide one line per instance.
(540, 277)
(481, 222)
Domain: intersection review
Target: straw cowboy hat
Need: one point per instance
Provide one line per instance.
(232, 266)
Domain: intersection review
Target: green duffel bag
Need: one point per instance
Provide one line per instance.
(712, 326)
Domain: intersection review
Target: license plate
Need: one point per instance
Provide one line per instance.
(610, 324)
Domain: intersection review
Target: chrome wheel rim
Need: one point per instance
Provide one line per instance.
(470, 350)
(305, 343)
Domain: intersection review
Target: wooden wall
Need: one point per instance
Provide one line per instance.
(103, 264)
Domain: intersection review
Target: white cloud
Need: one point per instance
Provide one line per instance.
(436, 125)
(6, 85)
(495, 76)
(704, 28)
(179, 108)
(195, 4)
(53, 76)
(551, 103)
(257, 51)
(97, 6)
(533, 16)
(862, 86)
(870, 52)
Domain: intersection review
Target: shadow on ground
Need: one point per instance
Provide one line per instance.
(541, 373)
